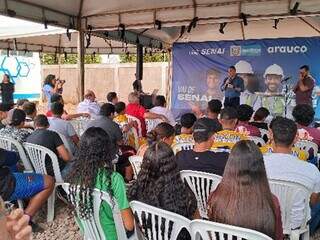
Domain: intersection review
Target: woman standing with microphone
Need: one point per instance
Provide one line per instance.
(51, 86)
(7, 90)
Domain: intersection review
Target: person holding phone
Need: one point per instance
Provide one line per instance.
(51, 86)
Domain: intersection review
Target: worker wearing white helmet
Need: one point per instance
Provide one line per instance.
(245, 71)
(273, 76)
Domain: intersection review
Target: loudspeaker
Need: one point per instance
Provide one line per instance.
(139, 66)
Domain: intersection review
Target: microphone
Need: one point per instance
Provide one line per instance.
(286, 79)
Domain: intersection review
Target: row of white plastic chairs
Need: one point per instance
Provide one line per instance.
(33, 158)
(161, 224)
(202, 184)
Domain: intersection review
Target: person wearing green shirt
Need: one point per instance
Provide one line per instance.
(93, 169)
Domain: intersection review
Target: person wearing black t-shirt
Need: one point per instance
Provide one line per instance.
(51, 140)
(7, 90)
(201, 158)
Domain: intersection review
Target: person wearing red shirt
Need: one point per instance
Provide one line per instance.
(136, 110)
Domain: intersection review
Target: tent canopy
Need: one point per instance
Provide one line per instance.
(139, 18)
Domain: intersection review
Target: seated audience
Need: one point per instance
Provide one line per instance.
(30, 108)
(234, 203)
(160, 107)
(112, 98)
(105, 121)
(228, 136)
(163, 132)
(17, 225)
(214, 109)
(303, 114)
(93, 168)
(3, 114)
(29, 186)
(58, 98)
(136, 110)
(282, 165)
(62, 126)
(201, 158)
(16, 128)
(19, 105)
(89, 104)
(244, 115)
(159, 184)
(259, 118)
(51, 140)
(185, 134)
(124, 124)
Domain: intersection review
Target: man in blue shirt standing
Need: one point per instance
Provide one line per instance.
(232, 86)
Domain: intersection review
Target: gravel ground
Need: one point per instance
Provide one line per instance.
(63, 227)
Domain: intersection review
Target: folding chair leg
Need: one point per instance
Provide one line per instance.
(295, 235)
(51, 201)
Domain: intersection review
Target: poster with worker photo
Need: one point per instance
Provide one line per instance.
(267, 66)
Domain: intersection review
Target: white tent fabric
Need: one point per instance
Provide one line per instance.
(139, 16)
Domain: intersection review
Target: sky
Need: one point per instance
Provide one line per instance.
(13, 27)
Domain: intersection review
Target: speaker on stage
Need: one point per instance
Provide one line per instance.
(139, 66)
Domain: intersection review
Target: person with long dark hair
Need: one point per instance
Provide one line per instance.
(93, 168)
(51, 86)
(163, 132)
(159, 184)
(7, 90)
(243, 198)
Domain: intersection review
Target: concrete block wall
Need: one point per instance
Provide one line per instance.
(103, 78)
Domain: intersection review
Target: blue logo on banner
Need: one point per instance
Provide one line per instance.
(249, 50)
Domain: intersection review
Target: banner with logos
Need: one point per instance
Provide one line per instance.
(24, 70)
(199, 68)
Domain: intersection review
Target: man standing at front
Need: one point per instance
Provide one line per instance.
(232, 85)
(304, 87)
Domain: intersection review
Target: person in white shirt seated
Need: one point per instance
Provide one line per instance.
(63, 127)
(160, 108)
(282, 165)
(89, 105)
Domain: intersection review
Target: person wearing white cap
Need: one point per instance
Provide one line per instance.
(273, 76)
(245, 71)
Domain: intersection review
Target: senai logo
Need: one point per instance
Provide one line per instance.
(287, 49)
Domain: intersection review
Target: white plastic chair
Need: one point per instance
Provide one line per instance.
(264, 133)
(307, 146)
(11, 144)
(206, 230)
(92, 228)
(157, 223)
(257, 140)
(201, 184)
(182, 146)
(79, 125)
(152, 123)
(37, 155)
(134, 119)
(66, 143)
(288, 193)
(136, 162)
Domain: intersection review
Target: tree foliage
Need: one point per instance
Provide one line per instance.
(51, 59)
(149, 57)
